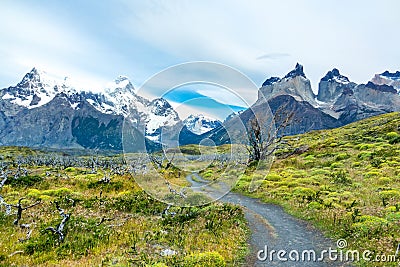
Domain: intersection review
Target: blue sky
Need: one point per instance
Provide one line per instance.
(95, 41)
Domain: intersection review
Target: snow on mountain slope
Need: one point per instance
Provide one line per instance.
(388, 78)
(37, 88)
(200, 124)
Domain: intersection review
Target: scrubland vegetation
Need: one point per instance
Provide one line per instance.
(346, 181)
(111, 220)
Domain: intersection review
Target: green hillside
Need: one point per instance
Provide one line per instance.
(347, 182)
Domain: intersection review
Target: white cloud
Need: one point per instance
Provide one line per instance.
(343, 34)
(96, 42)
(36, 38)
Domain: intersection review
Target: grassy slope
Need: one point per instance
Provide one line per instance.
(135, 236)
(347, 183)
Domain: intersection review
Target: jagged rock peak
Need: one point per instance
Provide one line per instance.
(298, 71)
(271, 80)
(35, 77)
(391, 75)
(382, 88)
(334, 75)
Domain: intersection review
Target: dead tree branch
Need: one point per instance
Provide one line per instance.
(265, 134)
(20, 209)
(60, 228)
(181, 193)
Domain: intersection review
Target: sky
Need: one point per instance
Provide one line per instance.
(95, 41)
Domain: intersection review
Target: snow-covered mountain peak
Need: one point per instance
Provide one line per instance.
(36, 88)
(120, 85)
(200, 124)
(39, 79)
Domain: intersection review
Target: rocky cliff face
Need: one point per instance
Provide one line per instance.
(295, 84)
(388, 78)
(339, 101)
(332, 85)
(39, 111)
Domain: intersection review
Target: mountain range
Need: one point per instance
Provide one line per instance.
(339, 100)
(42, 112)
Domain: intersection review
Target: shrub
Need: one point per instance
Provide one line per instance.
(314, 205)
(364, 155)
(337, 165)
(207, 259)
(70, 169)
(356, 164)
(273, 177)
(28, 180)
(393, 217)
(330, 201)
(390, 194)
(208, 174)
(340, 177)
(393, 137)
(371, 174)
(364, 146)
(304, 193)
(342, 156)
(368, 225)
(319, 172)
(309, 157)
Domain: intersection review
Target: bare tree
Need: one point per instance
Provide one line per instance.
(159, 161)
(60, 228)
(264, 134)
(20, 209)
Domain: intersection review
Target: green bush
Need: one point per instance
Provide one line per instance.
(390, 194)
(70, 169)
(309, 157)
(337, 165)
(206, 259)
(340, 177)
(273, 177)
(160, 264)
(314, 205)
(304, 193)
(393, 137)
(342, 156)
(368, 225)
(28, 180)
